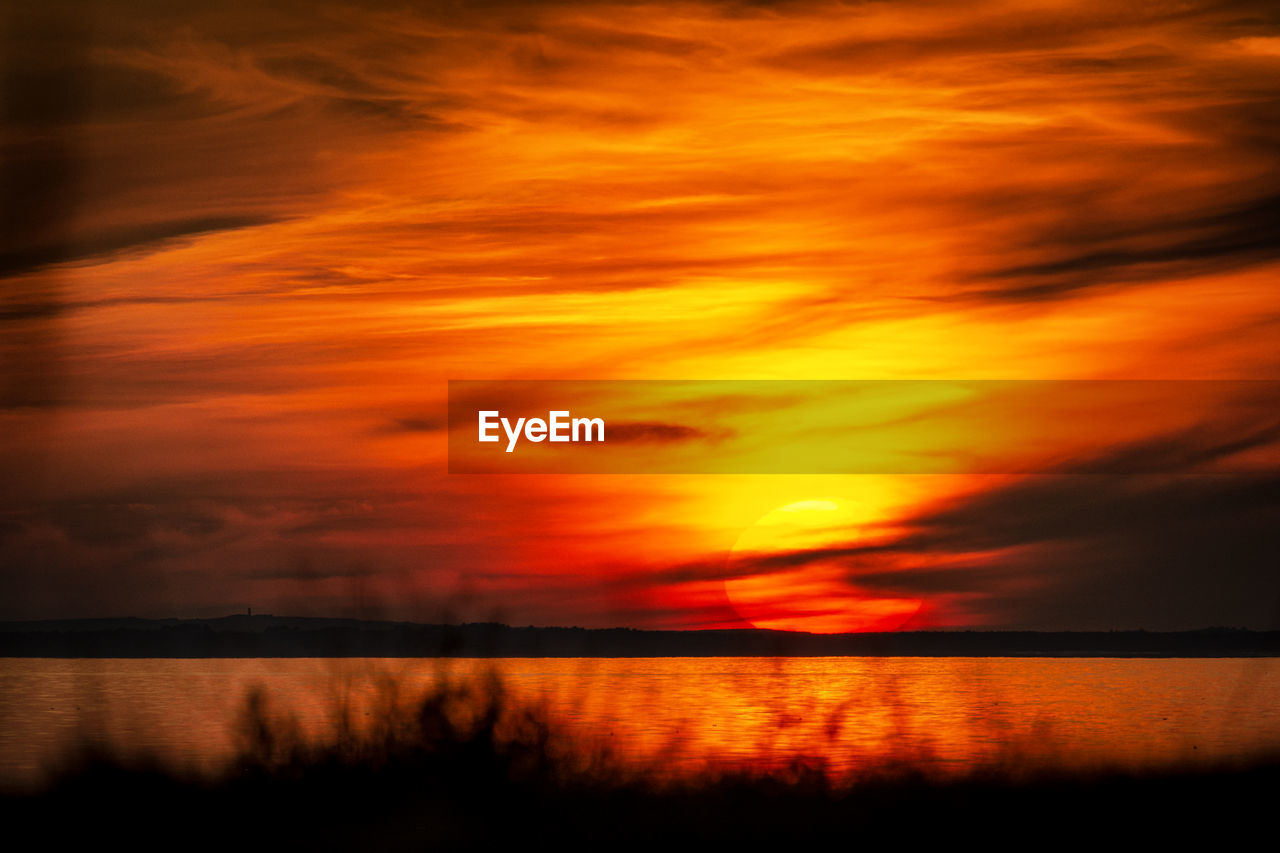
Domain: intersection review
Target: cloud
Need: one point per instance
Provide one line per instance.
(653, 432)
(414, 425)
(1111, 552)
(1205, 243)
(106, 242)
(1068, 549)
(246, 248)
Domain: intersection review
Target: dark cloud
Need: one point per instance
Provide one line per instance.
(308, 569)
(654, 432)
(78, 89)
(204, 545)
(415, 424)
(73, 247)
(978, 581)
(111, 523)
(1208, 242)
(1198, 448)
(1123, 552)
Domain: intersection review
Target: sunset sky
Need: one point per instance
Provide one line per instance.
(245, 248)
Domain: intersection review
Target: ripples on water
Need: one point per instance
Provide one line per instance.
(681, 715)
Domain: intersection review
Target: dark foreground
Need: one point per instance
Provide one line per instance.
(462, 766)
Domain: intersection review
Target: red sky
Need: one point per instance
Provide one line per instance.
(245, 249)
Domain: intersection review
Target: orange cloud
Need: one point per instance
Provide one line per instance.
(244, 250)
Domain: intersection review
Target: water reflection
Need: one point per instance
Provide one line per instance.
(678, 715)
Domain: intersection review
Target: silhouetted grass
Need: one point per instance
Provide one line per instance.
(466, 764)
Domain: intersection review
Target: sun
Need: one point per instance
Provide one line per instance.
(789, 572)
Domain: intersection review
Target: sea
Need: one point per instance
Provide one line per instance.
(670, 716)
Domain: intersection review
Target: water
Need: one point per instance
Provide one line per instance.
(686, 714)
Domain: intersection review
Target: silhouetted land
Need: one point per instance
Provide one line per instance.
(271, 636)
(426, 777)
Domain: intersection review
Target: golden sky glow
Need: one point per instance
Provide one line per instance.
(245, 250)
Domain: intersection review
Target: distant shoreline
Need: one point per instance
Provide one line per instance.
(311, 637)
